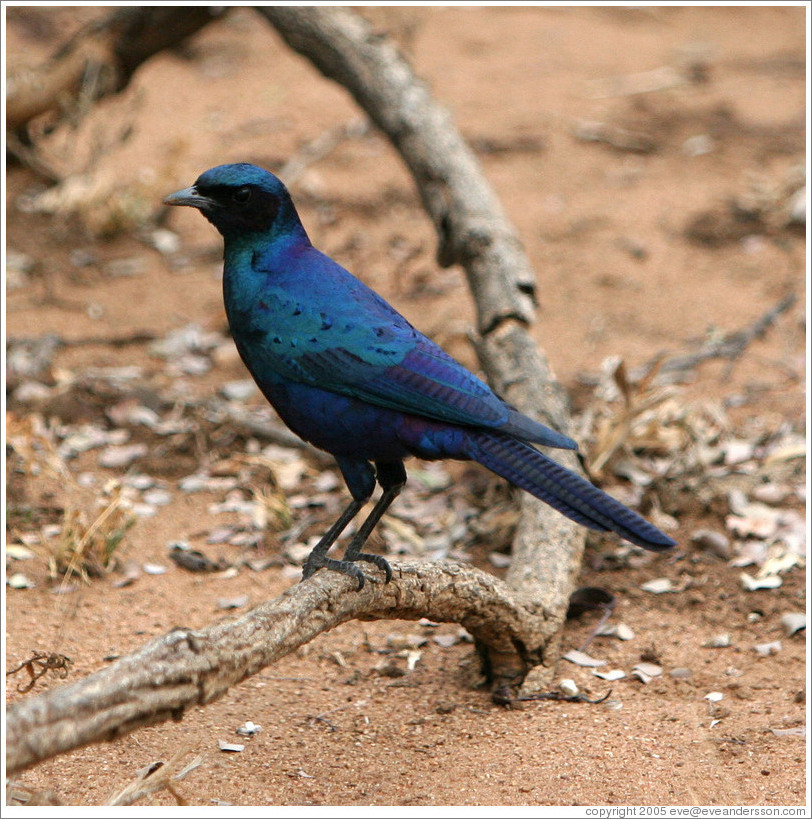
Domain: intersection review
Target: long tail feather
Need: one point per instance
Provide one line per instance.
(567, 492)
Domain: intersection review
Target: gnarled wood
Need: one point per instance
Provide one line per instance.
(195, 666)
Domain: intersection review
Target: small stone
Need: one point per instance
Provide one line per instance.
(31, 392)
(181, 545)
(164, 241)
(698, 145)
(238, 390)
(660, 585)
(233, 602)
(192, 483)
(398, 640)
(125, 268)
(327, 481)
(797, 731)
(297, 552)
(158, 497)
(144, 510)
(19, 581)
(17, 551)
(750, 583)
(797, 206)
(793, 622)
(621, 631)
(715, 542)
(191, 364)
(220, 535)
(771, 493)
(139, 482)
(766, 649)
(117, 457)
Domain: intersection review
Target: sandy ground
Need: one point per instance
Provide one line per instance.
(636, 251)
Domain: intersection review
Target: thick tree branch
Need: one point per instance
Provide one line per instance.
(188, 667)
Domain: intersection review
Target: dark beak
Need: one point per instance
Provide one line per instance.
(191, 198)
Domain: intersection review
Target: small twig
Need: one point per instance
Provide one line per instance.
(58, 663)
(157, 778)
(643, 82)
(136, 337)
(731, 346)
(560, 696)
(607, 613)
(30, 157)
(323, 718)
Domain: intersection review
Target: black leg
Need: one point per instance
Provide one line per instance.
(354, 552)
(391, 477)
(317, 559)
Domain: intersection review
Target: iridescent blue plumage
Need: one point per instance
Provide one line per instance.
(348, 373)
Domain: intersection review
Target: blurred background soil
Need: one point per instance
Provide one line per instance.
(653, 161)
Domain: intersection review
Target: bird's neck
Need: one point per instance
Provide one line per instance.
(241, 246)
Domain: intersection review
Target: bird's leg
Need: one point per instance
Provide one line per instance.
(392, 477)
(354, 552)
(317, 559)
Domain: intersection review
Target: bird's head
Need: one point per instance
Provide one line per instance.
(239, 200)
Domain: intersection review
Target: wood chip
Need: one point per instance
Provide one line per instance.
(583, 659)
(646, 672)
(610, 676)
(233, 747)
(750, 583)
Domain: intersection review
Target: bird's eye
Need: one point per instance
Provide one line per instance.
(242, 196)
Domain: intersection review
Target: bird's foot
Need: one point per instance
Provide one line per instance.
(376, 560)
(348, 567)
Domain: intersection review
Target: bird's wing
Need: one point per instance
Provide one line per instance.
(351, 341)
(422, 380)
(399, 368)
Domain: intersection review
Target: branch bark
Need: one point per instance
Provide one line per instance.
(189, 667)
